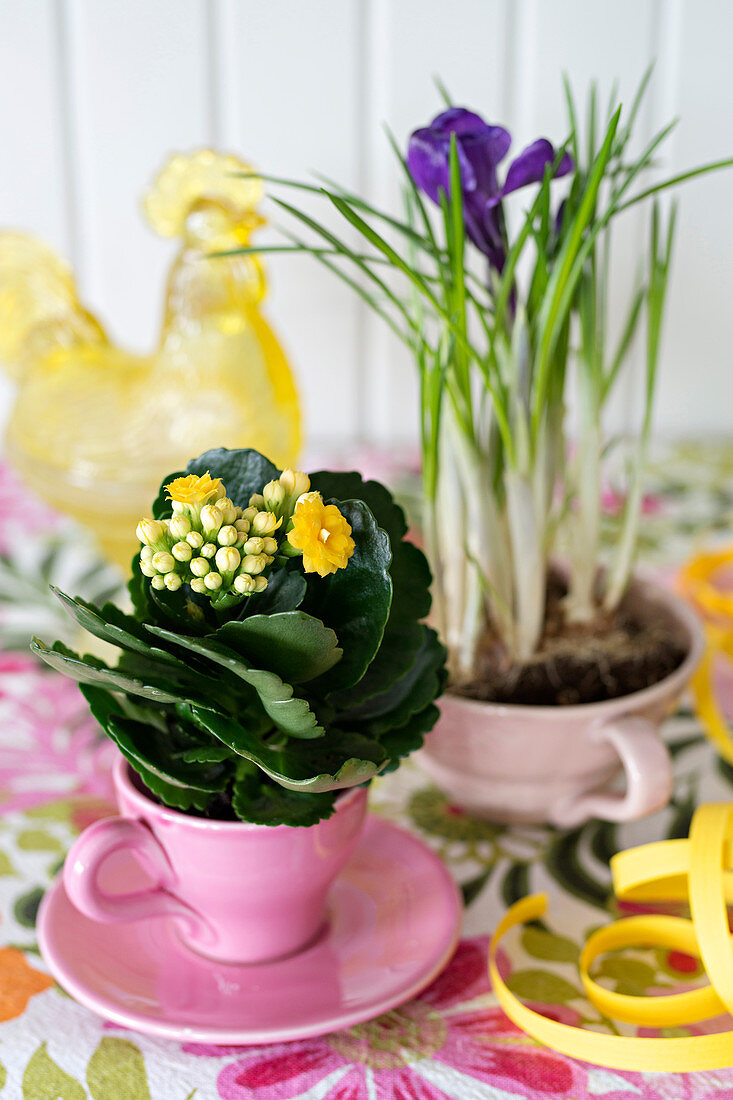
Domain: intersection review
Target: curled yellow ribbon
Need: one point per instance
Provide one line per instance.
(698, 869)
(697, 581)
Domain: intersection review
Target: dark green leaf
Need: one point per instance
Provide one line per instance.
(264, 803)
(318, 766)
(186, 681)
(410, 579)
(90, 670)
(350, 485)
(289, 713)
(151, 750)
(243, 472)
(178, 798)
(419, 686)
(408, 738)
(146, 748)
(207, 754)
(113, 626)
(298, 647)
(354, 601)
(182, 609)
(138, 587)
(604, 842)
(285, 591)
(403, 634)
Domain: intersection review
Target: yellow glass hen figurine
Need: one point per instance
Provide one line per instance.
(95, 427)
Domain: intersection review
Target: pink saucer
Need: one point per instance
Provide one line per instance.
(393, 922)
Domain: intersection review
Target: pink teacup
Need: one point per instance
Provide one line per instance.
(557, 765)
(238, 892)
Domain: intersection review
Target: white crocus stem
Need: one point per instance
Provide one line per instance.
(433, 546)
(585, 551)
(467, 550)
(473, 621)
(449, 561)
(498, 562)
(483, 562)
(620, 573)
(529, 564)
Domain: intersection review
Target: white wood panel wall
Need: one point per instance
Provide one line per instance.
(94, 94)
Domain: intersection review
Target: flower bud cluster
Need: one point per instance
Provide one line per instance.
(278, 500)
(215, 547)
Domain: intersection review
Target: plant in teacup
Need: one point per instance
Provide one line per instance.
(274, 661)
(506, 313)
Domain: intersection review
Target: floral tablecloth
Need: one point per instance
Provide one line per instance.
(453, 1040)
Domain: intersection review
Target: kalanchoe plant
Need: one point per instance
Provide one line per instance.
(275, 653)
(505, 348)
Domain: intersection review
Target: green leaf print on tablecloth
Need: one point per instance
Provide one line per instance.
(44, 1080)
(117, 1070)
(6, 865)
(541, 944)
(38, 840)
(541, 985)
(26, 907)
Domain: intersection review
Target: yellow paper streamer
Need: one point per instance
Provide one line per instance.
(697, 582)
(698, 869)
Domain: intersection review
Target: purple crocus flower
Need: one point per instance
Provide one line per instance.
(481, 148)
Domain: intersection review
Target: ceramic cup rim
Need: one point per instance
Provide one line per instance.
(122, 777)
(681, 611)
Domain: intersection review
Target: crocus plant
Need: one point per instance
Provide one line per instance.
(509, 328)
(275, 652)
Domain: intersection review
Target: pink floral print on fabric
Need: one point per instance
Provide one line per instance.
(429, 1049)
(20, 523)
(50, 746)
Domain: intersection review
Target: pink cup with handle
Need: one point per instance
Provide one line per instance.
(558, 765)
(237, 892)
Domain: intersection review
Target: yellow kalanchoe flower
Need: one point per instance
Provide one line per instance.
(295, 482)
(206, 543)
(195, 490)
(323, 535)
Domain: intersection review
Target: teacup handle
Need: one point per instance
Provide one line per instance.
(648, 768)
(94, 846)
